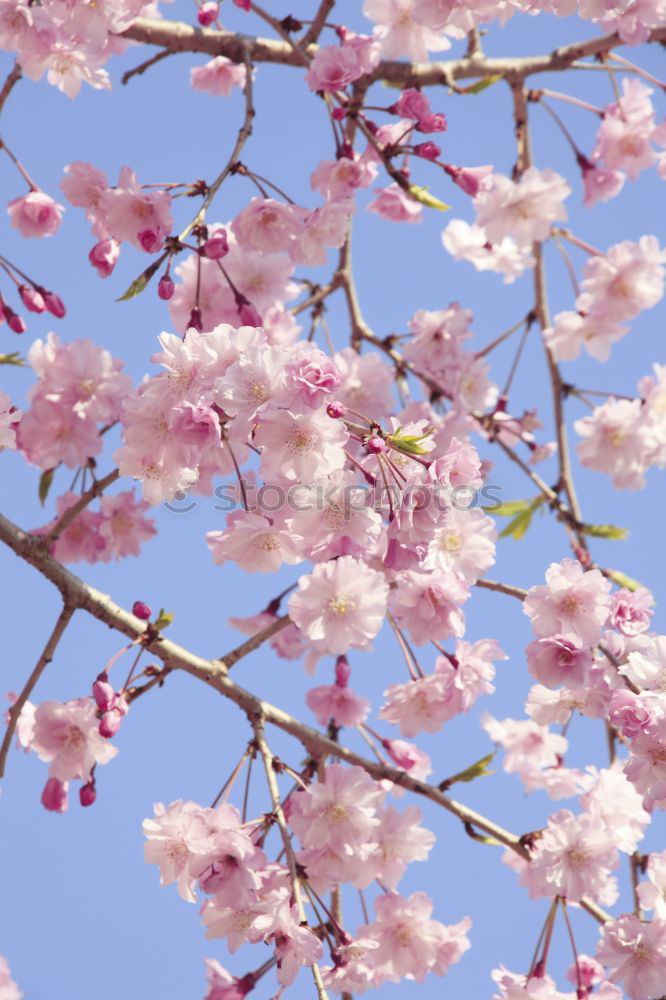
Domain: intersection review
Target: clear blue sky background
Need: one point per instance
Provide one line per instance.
(80, 913)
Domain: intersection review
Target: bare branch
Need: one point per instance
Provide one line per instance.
(180, 37)
(40, 666)
(12, 79)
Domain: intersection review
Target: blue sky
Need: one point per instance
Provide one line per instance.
(78, 905)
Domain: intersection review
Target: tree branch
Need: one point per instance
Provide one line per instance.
(12, 79)
(73, 512)
(42, 663)
(180, 37)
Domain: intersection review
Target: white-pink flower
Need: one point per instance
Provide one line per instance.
(523, 209)
(35, 214)
(574, 603)
(340, 605)
(219, 76)
(636, 955)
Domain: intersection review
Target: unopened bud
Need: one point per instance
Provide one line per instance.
(375, 445)
(247, 314)
(150, 240)
(109, 724)
(32, 299)
(208, 12)
(342, 671)
(336, 410)
(216, 247)
(54, 796)
(15, 322)
(87, 794)
(165, 287)
(54, 303)
(103, 257)
(103, 693)
(427, 150)
(337, 114)
(141, 611)
(432, 123)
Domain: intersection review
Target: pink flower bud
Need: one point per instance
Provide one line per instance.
(470, 179)
(375, 445)
(336, 410)
(87, 794)
(342, 671)
(54, 796)
(216, 247)
(248, 315)
(428, 150)
(103, 693)
(208, 12)
(165, 287)
(103, 257)
(243, 4)
(195, 322)
(432, 123)
(15, 322)
(54, 303)
(150, 240)
(109, 724)
(32, 299)
(141, 610)
(338, 114)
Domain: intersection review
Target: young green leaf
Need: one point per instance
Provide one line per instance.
(477, 770)
(45, 481)
(12, 359)
(423, 195)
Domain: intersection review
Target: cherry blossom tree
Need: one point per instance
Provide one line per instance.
(371, 460)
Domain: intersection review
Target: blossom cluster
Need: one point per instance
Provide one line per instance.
(347, 835)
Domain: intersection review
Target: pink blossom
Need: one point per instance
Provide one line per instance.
(631, 611)
(411, 943)
(572, 330)
(636, 955)
(301, 447)
(646, 766)
(585, 971)
(526, 744)
(9, 421)
(395, 205)
(408, 757)
(617, 440)
(556, 660)
(338, 812)
(104, 256)
(219, 76)
(523, 209)
(423, 704)
(142, 218)
(222, 985)
(313, 376)
(652, 893)
(399, 840)
(333, 68)
(341, 604)
(572, 858)
(573, 602)
(256, 544)
(601, 184)
(428, 604)
(412, 103)
(337, 702)
(85, 186)
(613, 799)
(35, 214)
(267, 226)
(66, 737)
(340, 179)
(471, 243)
(624, 281)
(465, 545)
(123, 525)
(366, 382)
(623, 139)
(401, 33)
(322, 228)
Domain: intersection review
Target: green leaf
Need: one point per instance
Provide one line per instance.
(164, 619)
(622, 580)
(422, 194)
(477, 770)
(410, 444)
(511, 508)
(606, 531)
(45, 481)
(12, 359)
(139, 284)
(480, 85)
(519, 526)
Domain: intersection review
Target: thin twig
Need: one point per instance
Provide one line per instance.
(43, 661)
(12, 79)
(84, 500)
(142, 67)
